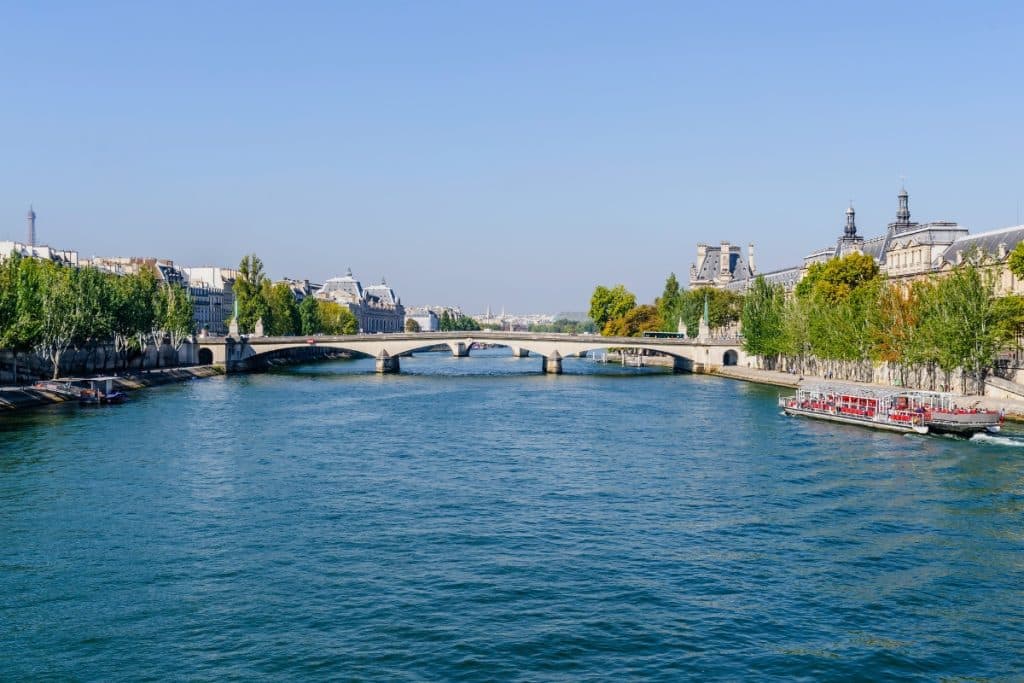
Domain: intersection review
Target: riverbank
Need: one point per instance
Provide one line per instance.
(19, 398)
(1013, 409)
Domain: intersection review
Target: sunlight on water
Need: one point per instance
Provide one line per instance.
(474, 519)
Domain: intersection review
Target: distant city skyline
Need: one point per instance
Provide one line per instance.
(495, 155)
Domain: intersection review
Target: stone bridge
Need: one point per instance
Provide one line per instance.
(691, 355)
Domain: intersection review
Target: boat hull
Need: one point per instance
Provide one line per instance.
(846, 419)
(964, 424)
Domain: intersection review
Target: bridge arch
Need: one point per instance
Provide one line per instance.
(205, 356)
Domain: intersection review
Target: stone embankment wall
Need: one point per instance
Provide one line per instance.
(925, 376)
(90, 361)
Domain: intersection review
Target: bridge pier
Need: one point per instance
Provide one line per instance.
(387, 365)
(459, 349)
(520, 352)
(552, 364)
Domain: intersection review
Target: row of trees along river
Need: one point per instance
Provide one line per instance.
(48, 309)
(846, 319)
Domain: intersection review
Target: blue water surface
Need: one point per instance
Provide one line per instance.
(474, 519)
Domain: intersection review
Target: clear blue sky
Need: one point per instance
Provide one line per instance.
(510, 153)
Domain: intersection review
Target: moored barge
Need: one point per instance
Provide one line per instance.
(895, 410)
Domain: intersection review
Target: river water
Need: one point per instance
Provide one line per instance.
(474, 519)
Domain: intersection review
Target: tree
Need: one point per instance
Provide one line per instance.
(724, 307)
(284, 312)
(336, 319)
(177, 317)
(457, 322)
(763, 311)
(669, 304)
(60, 320)
(250, 294)
(609, 304)
(833, 280)
(309, 316)
(411, 325)
(133, 311)
(1016, 261)
(635, 322)
(960, 323)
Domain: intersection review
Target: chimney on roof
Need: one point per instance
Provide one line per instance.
(724, 258)
(750, 258)
(702, 252)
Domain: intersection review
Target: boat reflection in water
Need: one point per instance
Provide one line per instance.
(896, 410)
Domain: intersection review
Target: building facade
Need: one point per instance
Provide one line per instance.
(217, 286)
(428, 320)
(376, 307)
(906, 251)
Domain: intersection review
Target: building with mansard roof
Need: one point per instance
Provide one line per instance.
(718, 266)
(377, 308)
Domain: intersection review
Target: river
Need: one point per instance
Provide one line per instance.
(474, 519)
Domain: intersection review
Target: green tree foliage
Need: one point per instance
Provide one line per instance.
(960, 325)
(457, 323)
(251, 294)
(411, 325)
(635, 322)
(724, 307)
(608, 304)
(176, 315)
(49, 308)
(763, 318)
(835, 279)
(1016, 261)
(284, 312)
(60, 320)
(309, 316)
(670, 304)
(566, 326)
(336, 319)
(844, 310)
(134, 311)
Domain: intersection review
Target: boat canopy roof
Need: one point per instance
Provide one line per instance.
(868, 391)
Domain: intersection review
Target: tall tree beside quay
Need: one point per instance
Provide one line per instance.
(411, 325)
(336, 319)
(250, 293)
(16, 330)
(134, 308)
(608, 304)
(763, 319)
(309, 316)
(640, 319)
(60, 320)
(724, 307)
(284, 312)
(670, 304)
(833, 280)
(961, 325)
(176, 314)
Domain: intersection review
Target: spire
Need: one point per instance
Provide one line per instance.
(851, 223)
(31, 217)
(903, 212)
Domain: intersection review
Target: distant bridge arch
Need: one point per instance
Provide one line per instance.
(692, 354)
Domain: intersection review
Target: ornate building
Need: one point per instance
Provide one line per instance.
(718, 266)
(376, 307)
